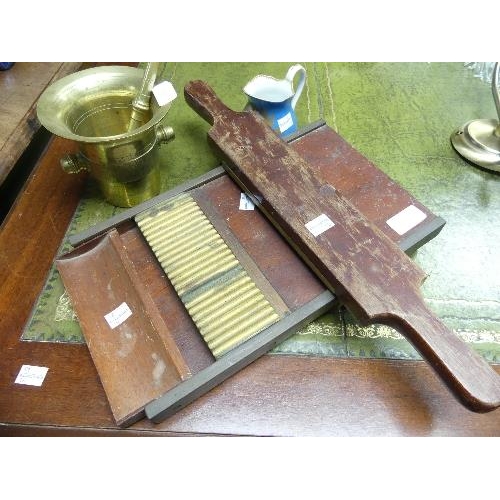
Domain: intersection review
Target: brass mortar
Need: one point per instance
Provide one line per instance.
(93, 107)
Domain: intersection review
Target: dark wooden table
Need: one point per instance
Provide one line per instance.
(20, 88)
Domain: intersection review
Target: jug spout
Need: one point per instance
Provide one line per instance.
(268, 89)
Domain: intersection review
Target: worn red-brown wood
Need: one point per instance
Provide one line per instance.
(159, 346)
(365, 185)
(20, 89)
(137, 359)
(366, 270)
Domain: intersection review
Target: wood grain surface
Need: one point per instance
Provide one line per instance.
(365, 185)
(136, 357)
(355, 260)
(20, 88)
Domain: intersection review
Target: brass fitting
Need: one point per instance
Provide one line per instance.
(164, 133)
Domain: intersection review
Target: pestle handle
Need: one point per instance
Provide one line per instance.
(140, 104)
(205, 102)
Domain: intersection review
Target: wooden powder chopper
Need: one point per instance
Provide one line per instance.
(184, 385)
(116, 249)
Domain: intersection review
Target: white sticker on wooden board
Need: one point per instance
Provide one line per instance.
(320, 224)
(117, 316)
(407, 219)
(31, 375)
(246, 203)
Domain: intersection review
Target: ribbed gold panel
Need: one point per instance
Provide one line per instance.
(223, 301)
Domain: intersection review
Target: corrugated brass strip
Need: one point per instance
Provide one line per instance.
(226, 310)
(177, 227)
(237, 339)
(178, 253)
(158, 235)
(223, 301)
(202, 239)
(205, 255)
(212, 298)
(198, 257)
(238, 324)
(214, 329)
(150, 218)
(207, 269)
(165, 218)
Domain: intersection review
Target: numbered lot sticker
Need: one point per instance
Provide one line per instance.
(31, 375)
(164, 93)
(407, 219)
(320, 224)
(285, 122)
(246, 203)
(117, 316)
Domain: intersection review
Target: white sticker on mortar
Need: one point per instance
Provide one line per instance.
(164, 93)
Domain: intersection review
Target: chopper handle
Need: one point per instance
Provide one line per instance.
(200, 96)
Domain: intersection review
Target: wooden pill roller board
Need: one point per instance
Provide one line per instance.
(155, 361)
(367, 271)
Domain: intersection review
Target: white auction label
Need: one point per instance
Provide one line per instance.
(31, 375)
(246, 203)
(164, 93)
(320, 224)
(407, 219)
(285, 122)
(117, 316)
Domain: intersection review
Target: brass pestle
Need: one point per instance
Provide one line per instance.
(140, 104)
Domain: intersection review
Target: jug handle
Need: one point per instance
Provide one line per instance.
(290, 75)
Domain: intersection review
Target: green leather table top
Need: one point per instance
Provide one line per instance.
(400, 116)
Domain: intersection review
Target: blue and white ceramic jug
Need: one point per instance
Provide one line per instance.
(275, 99)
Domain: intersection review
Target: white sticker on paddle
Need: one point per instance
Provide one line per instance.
(319, 225)
(407, 219)
(117, 316)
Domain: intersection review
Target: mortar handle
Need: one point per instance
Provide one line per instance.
(204, 101)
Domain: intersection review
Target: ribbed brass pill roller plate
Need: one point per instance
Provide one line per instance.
(223, 300)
